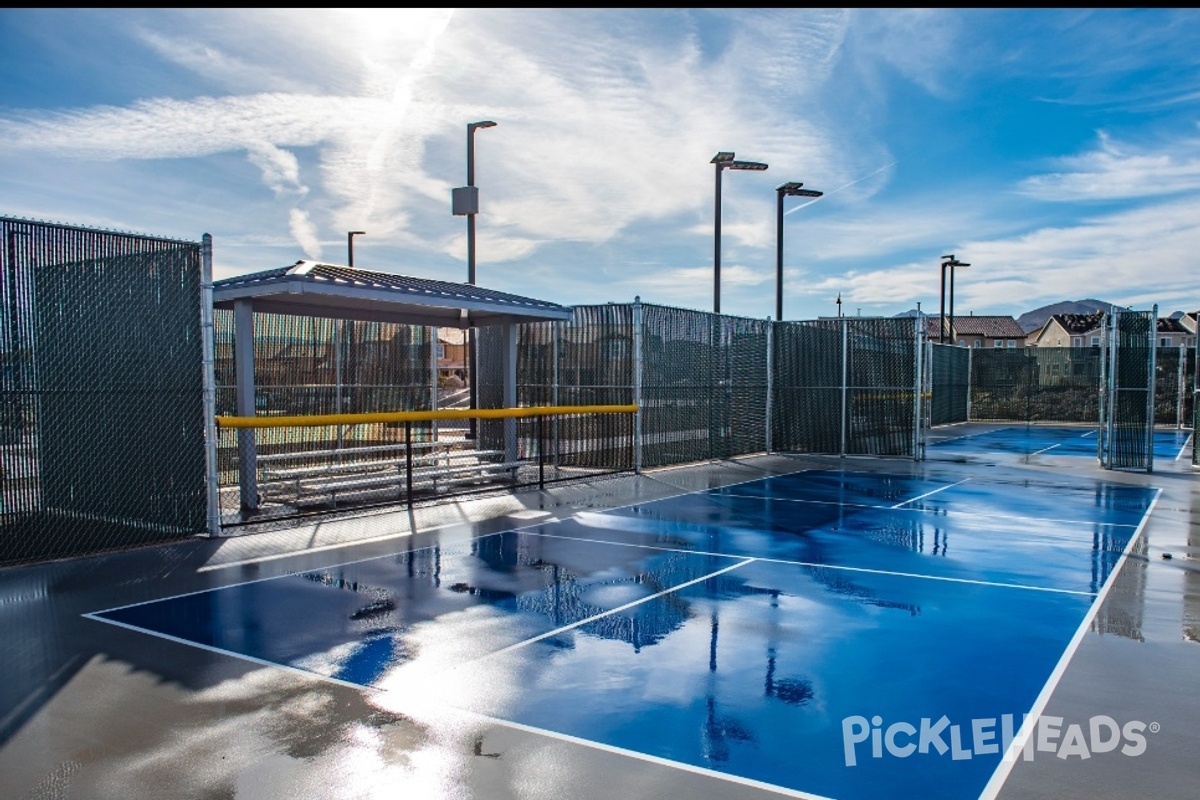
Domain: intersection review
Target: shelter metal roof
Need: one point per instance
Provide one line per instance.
(312, 289)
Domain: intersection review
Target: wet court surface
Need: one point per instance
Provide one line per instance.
(823, 628)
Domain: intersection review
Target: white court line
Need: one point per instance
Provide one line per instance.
(932, 492)
(814, 564)
(594, 745)
(210, 648)
(665, 762)
(1187, 445)
(1009, 759)
(616, 610)
(324, 567)
(977, 514)
(1045, 449)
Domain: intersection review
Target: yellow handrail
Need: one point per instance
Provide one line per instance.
(314, 420)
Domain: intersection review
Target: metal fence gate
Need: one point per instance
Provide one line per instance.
(950, 389)
(102, 418)
(1126, 439)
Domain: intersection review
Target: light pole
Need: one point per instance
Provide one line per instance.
(724, 161)
(948, 261)
(350, 244)
(791, 189)
(465, 202)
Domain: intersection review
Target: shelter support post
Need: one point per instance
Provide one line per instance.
(508, 366)
(243, 360)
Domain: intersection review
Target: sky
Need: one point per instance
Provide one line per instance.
(1056, 151)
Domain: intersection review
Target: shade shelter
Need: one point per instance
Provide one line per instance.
(333, 291)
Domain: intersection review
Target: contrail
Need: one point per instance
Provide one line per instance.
(835, 191)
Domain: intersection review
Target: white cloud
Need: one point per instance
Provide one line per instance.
(1115, 170)
(305, 233)
(280, 169)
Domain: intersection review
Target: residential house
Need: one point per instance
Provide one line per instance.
(1068, 330)
(1174, 332)
(451, 353)
(988, 331)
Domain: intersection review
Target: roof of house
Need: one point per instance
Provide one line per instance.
(991, 327)
(1078, 323)
(1171, 325)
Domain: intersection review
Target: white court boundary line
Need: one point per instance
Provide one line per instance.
(564, 737)
(817, 565)
(929, 493)
(1187, 445)
(1009, 759)
(616, 610)
(977, 514)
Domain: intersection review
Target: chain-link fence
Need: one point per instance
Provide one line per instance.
(848, 386)
(1127, 411)
(307, 366)
(1174, 385)
(102, 422)
(1036, 384)
(951, 383)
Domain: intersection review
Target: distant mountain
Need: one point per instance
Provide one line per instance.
(1032, 320)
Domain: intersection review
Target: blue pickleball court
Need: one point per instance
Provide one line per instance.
(766, 633)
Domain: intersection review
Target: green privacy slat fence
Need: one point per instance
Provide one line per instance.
(808, 378)
(883, 387)
(1126, 439)
(951, 378)
(1036, 384)
(102, 422)
(704, 385)
(1174, 385)
(847, 386)
(716, 386)
(587, 361)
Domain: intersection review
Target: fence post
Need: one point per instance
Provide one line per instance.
(434, 388)
(408, 467)
(637, 384)
(1179, 380)
(243, 361)
(1151, 380)
(207, 343)
(845, 382)
(556, 331)
(918, 442)
(970, 367)
(769, 438)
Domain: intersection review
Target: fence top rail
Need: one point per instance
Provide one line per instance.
(316, 420)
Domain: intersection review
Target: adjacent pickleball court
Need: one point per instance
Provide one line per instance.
(764, 633)
(1038, 440)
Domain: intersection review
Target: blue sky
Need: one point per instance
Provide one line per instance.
(1056, 151)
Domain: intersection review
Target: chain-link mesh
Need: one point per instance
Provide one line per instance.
(308, 365)
(882, 386)
(1127, 401)
(847, 386)
(1195, 394)
(704, 385)
(1036, 384)
(101, 391)
(1173, 385)
(808, 399)
(951, 372)
(586, 361)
